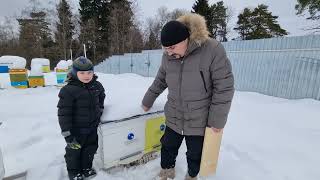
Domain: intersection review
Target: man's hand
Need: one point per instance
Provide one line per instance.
(145, 108)
(216, 130)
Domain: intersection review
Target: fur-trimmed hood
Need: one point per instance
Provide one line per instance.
(197, 26)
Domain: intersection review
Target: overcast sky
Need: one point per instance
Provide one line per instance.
(282, 8)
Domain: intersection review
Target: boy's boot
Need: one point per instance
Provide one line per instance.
(77, 176)
(89, 173)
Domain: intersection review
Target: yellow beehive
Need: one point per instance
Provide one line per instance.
(35, 81)
(18, 78)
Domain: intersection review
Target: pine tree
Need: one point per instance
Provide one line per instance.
(258, 24)
(65, 29)
(202, 7)
(98, 42)
(244, 25)
(218, 18)
(35, 35)
(121, 25)
(313, 8)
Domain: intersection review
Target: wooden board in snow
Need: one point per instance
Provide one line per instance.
(210, 152)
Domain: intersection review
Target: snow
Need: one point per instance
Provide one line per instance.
(42, 61)
(69, 62)
(13, 62)
(265, 137)
(63, 64)
(131, 86)
(36, 70)
(4, 81)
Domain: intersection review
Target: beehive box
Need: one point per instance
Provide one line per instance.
(46, 68)
(4, 68)
(35, 81)
(45, 63)
(61, 76)
(18, 78)
(129, 140)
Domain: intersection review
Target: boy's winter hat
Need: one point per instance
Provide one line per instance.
(81, 64)
(173, 32)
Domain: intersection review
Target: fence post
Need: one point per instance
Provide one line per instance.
(119, 64)
(131, 65)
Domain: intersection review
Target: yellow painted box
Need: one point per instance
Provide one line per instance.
(45, 69)
(18, 78)
(154, 131)
(35, 81)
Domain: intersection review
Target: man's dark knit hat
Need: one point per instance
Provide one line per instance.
(173, 32)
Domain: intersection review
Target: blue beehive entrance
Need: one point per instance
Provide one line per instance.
(4, 69)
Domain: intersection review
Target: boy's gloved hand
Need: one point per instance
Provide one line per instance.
(72, 144)
(71, 141)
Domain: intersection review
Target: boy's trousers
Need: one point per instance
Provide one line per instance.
(171, 142)
(82, 158)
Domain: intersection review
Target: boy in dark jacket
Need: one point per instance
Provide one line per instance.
(80, 107)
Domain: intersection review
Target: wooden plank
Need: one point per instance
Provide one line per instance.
(19, 176)
(210, 152)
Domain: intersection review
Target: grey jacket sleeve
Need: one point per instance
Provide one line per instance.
(158, 86)
(223, 88)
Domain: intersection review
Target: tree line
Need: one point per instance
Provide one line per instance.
(113, 27)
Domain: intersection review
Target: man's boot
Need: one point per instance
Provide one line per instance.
(166, 174)
(188, 177)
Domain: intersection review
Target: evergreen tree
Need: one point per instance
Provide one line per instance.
(258, 24)
(202, 7)
(121, 22)
(313, 8)
(218, 18)
(65, 29)
(94, 16)
(35, 36)
(244, 26)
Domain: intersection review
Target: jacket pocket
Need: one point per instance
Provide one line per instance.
(200, 104)
(170, 114)
(199, 118)
(203, 80)
(199, 123)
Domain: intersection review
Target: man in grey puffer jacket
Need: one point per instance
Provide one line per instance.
(198, 75)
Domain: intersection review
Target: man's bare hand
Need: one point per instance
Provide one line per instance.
(145, 108)
(216, 130)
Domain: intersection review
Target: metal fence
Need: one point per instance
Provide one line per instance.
(284, 67)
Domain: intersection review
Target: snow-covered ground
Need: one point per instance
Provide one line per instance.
(266, 138)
